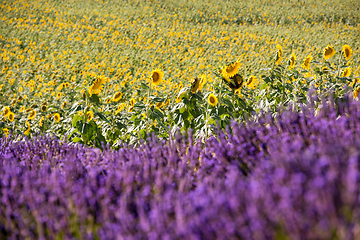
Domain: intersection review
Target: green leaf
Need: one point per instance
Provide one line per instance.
(144, 86)
(77, 139)
(94, 99)
(157, 99)
(102, 117)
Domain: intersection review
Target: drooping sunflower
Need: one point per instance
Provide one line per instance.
(32, 114)
(212, 99)
(11, 116)
(346, 72)
(292, 61)
(329, 51)
(57, 117)
(195, 85)
(307, 61)
(203, 80)
(347, 51)
(156, 77)
(117, 96)
(279, 54)
(236, 82)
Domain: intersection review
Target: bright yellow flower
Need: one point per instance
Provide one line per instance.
(57, 117)
(27, 132)
(41, 122)
(212, 99)
(329, 51)
(356, 93)
(346, 72)
(132, 101)
(195, 85)
(347, 51)
(252, 82)
(230, 70)
(6, 111)
(6, 132)
(90, 115)
(11, 116)
(279, 54)
(156, 77)
(96, 87)
(307, 61)
(32, 115)
(117, 96)
(292, 61)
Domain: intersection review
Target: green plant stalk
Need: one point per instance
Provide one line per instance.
(147, 108)
(85, 118)
(339, 64)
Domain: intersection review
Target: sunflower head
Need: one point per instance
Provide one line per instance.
(252, 82)
(117, 96)
(156, 77)
(292, 61)
(212, 99)
(346, 72)
(306, 64)
(96, 87)
(230, 70)
(132, 101)
(356, 93)
(279, 54)
(90, 115)
(195, 85)
(6, 111)
(57, 117)
(11, 116)
(32, 114)
(6, 132)
(329, 51)
(236, 82)
(325, 70)
(347, 51)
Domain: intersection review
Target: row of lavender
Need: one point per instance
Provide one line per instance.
(296, 177)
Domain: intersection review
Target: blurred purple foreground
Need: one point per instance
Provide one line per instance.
(296, 177)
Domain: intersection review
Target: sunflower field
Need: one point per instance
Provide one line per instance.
(149, 119)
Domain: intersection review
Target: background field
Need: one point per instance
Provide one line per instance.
(47, 43)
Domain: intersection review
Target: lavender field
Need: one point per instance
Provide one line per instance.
(295, 176)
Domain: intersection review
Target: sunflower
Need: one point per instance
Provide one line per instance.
(292, 61)
(347, 51)
(252, 82)
(6, 111)
(63, 105)
(307, 61)
(43, 108)
(237, 82)
(346, 72)
(356, 93)
(41, 122)
(117, 96)
(212, 99)
(6, 132)
(329, 51)
(58, 95)
(22, 109)
(96, 87)
(279, 54)
(202, 81)
(230, 70)
(132, 101)
(195, 85)
(156, 76)
(90, 115)
(32, 115)
(325, 70)
(57, 117)
(11, 116)
(27, 132)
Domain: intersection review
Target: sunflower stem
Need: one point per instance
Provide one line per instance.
(339, 64)
(147, 108)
